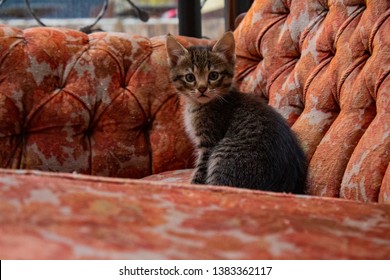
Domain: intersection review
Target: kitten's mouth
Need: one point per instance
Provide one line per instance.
(203, 97)
(200, 98)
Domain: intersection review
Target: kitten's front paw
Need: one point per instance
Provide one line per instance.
(197, 180)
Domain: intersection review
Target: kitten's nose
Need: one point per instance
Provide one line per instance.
(202, 89)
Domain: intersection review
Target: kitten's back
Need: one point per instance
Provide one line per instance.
(259, 150)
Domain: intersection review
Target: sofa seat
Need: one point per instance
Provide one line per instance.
(174, 176)
(72, 216)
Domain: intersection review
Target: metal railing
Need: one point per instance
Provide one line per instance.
(189, 13)
(139, 13)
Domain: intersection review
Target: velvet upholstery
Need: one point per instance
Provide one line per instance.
(71, 216)
(101, 106)
(325, 66)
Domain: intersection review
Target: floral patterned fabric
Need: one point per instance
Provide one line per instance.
(68, 216)
(325, 66)
(102, 104)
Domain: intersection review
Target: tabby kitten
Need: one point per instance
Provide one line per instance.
(241, 141)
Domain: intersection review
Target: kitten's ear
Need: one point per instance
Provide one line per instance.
(174, 49)
(226, 46)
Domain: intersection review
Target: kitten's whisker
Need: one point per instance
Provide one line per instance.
(222, 99)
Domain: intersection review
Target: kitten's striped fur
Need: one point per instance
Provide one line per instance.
(240, 140)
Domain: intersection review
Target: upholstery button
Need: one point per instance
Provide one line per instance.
(22, 134)
(148, 124)
(89, 132)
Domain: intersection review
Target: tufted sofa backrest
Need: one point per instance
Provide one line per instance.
(98, 104)
(325, 66)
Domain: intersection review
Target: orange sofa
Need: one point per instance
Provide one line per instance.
(96, 164)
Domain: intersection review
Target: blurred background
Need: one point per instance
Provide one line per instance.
(119, 16)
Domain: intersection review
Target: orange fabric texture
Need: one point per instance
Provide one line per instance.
(325, 66)
(102, 104)
(99, 104)
(69, 216)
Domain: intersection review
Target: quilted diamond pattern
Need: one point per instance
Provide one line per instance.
(324, 65)
(89, 104)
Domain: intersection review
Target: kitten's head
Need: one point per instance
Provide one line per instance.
(202, 73)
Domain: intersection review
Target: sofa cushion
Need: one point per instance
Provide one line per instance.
(102, 104)
(325, 66)
(180, 176)
(96, 104)
(71, 216)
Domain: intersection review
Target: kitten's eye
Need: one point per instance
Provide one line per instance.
(213, 76)
(190, 78)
